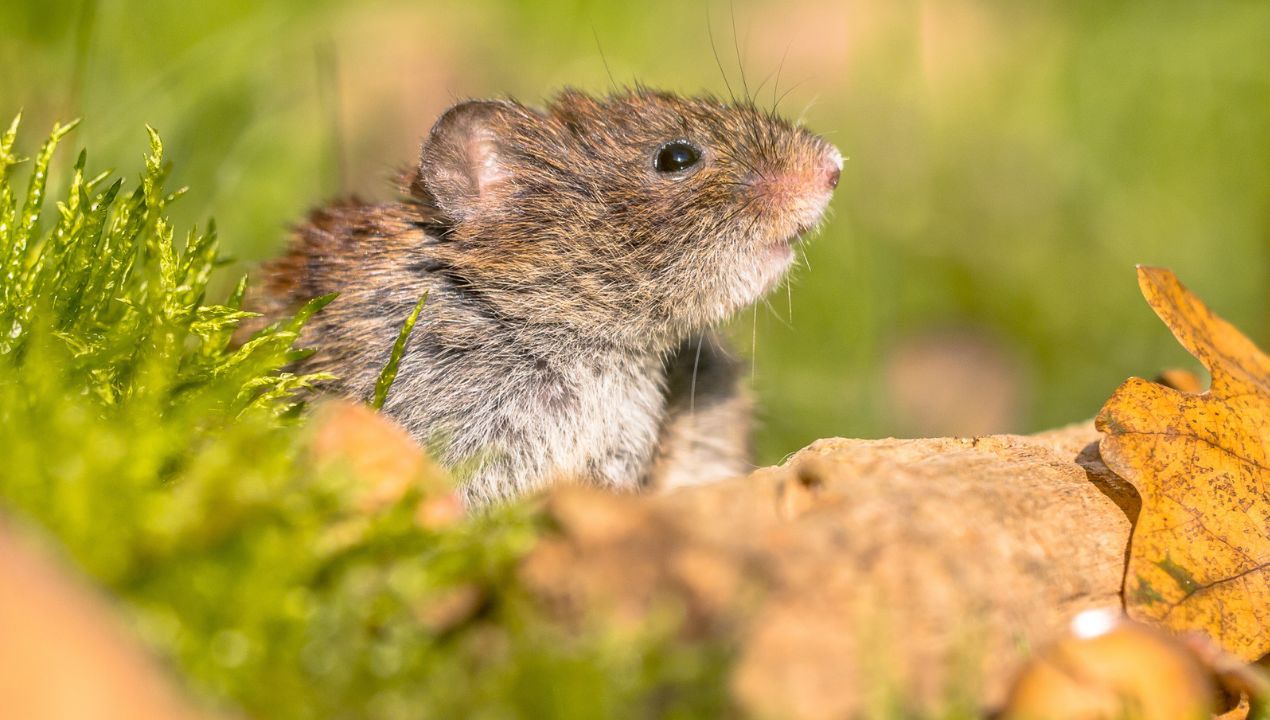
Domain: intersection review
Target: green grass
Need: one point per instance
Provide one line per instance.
(169, 466)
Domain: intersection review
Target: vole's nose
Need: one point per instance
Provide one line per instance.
(832, 167)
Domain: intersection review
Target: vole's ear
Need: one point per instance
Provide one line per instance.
(462, 165)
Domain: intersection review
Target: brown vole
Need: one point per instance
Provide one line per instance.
(576, 261)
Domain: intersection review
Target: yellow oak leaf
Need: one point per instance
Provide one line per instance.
(1199, 559)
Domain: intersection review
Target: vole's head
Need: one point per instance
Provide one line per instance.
(643, 217)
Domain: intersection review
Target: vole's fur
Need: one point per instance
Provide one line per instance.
(572, 287)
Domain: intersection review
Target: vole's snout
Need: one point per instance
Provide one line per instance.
(805, 184)
(833, 177)
(831, 168)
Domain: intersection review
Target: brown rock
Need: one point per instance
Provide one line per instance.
(927, 565)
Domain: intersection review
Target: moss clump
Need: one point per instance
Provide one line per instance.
(169, 465)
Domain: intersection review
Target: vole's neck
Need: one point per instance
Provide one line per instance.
(564, 345)
(593, 341)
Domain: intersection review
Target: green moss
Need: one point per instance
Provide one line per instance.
(169, 465)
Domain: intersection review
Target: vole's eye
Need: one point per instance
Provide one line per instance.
(676, 156)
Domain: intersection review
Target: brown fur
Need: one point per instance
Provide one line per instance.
(570, 283)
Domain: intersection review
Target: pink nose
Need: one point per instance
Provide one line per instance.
(832, 167)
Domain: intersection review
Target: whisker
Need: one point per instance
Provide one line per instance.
(779, 68)
(789, 299)
(692, 391)
(714, 49)
(739, 160)
(785, 94)
(595, 34)
(768, 304)
(736, 46)
(806, 261)
(758, 89)
(812, 103)
(753, 342)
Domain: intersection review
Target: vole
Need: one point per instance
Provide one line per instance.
(577, 260)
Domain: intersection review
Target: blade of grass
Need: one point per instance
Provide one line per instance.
(389, 374)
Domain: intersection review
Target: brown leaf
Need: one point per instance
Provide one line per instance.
(1183, 380)
(384, 458)
(63, 651)
(1200, 554)
(1242, 684)
(1241, 711)
(450, 609)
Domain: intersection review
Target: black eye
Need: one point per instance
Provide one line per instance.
(676, 156)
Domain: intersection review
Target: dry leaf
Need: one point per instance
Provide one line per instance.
(1200, 554)
(63, 651)
(1246, 687)
(1241, 711)
(450, 609)
(381, 454)
(1183, 380)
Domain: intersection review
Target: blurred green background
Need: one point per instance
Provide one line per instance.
(1008, 164)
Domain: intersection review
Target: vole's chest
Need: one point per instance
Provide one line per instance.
(514, 422)
(598, 420)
